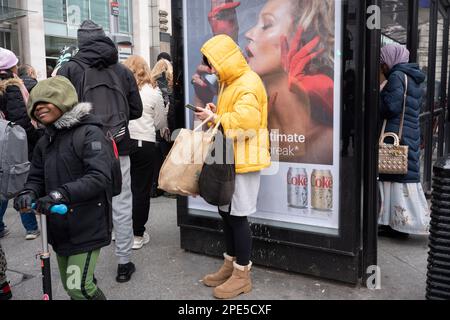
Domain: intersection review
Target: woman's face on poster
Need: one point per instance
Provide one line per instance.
(264, 50)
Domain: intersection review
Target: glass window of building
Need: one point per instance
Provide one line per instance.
(5, 40)
(54, 45)
(439, 57)
(9, 3)
(100, 13)
(77, 11)
(55, 10)
(424, 34)
(124, 25)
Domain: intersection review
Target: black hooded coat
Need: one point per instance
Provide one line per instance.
(101, 52)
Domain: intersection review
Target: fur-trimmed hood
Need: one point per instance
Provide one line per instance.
(75, 116)
(4, 84)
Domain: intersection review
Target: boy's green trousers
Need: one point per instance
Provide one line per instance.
(77, 275)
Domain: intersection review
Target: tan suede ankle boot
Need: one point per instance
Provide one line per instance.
(218, 278)
(238, 283)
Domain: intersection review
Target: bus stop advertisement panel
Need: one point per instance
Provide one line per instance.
(307, 213)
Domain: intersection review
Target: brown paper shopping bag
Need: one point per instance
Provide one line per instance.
(181, 170)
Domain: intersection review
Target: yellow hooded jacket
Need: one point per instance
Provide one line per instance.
(242, 104)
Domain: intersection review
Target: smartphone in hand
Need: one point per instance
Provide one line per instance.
(191, 107)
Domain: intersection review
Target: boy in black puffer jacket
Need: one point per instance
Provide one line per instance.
(59, 175)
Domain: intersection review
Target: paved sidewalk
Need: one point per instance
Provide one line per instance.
(164, 271)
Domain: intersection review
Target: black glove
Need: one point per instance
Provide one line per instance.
(24, 200)
(44, 205)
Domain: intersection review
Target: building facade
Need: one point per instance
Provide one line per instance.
(37, 30)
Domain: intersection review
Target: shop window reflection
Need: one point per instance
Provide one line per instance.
(394, 20)
(422, 59)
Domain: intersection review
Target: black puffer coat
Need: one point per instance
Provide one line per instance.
(84, 182)
(101, 52)
(13, 107)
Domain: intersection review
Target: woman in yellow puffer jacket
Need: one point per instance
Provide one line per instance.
(242, 110)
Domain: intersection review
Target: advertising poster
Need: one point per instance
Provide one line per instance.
(295, 47)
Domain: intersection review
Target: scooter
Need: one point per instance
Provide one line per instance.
(45, 254)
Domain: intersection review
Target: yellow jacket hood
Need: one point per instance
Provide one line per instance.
(226, 57)
(242, 104)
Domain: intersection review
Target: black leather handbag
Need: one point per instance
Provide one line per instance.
(217, 179)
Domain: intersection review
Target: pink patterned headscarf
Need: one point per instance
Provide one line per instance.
(393, 54)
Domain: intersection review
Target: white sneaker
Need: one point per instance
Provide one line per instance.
(139, 242)
(113, 236)
(32, 235)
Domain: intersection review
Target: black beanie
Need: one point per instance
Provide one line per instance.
(164, 55)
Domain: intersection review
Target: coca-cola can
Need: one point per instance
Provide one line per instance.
(297, 184)
(322, 190)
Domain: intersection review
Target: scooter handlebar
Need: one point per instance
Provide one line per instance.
(60, 209)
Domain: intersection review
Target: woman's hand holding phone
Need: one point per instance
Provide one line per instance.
(209, 112)
(212, 107)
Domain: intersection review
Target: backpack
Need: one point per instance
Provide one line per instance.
(161, 112)
(103, 89)
(161, 120)
(14, 164)
(116, 172)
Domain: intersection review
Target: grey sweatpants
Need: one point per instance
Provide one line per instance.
(2, 266)
(122, 208)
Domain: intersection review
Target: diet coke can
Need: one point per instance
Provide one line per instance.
(297, 183)
(322, 190)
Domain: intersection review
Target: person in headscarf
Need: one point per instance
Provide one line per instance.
(392, 55)
(404, 209)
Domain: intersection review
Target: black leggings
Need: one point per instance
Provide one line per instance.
(142, 163)
(238, 237)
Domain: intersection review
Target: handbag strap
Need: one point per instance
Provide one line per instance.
(203, 123)
(216, 128)
(213, 130)
(400, 134)
(402, 121)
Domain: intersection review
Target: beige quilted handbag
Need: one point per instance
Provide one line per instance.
(393, 158)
